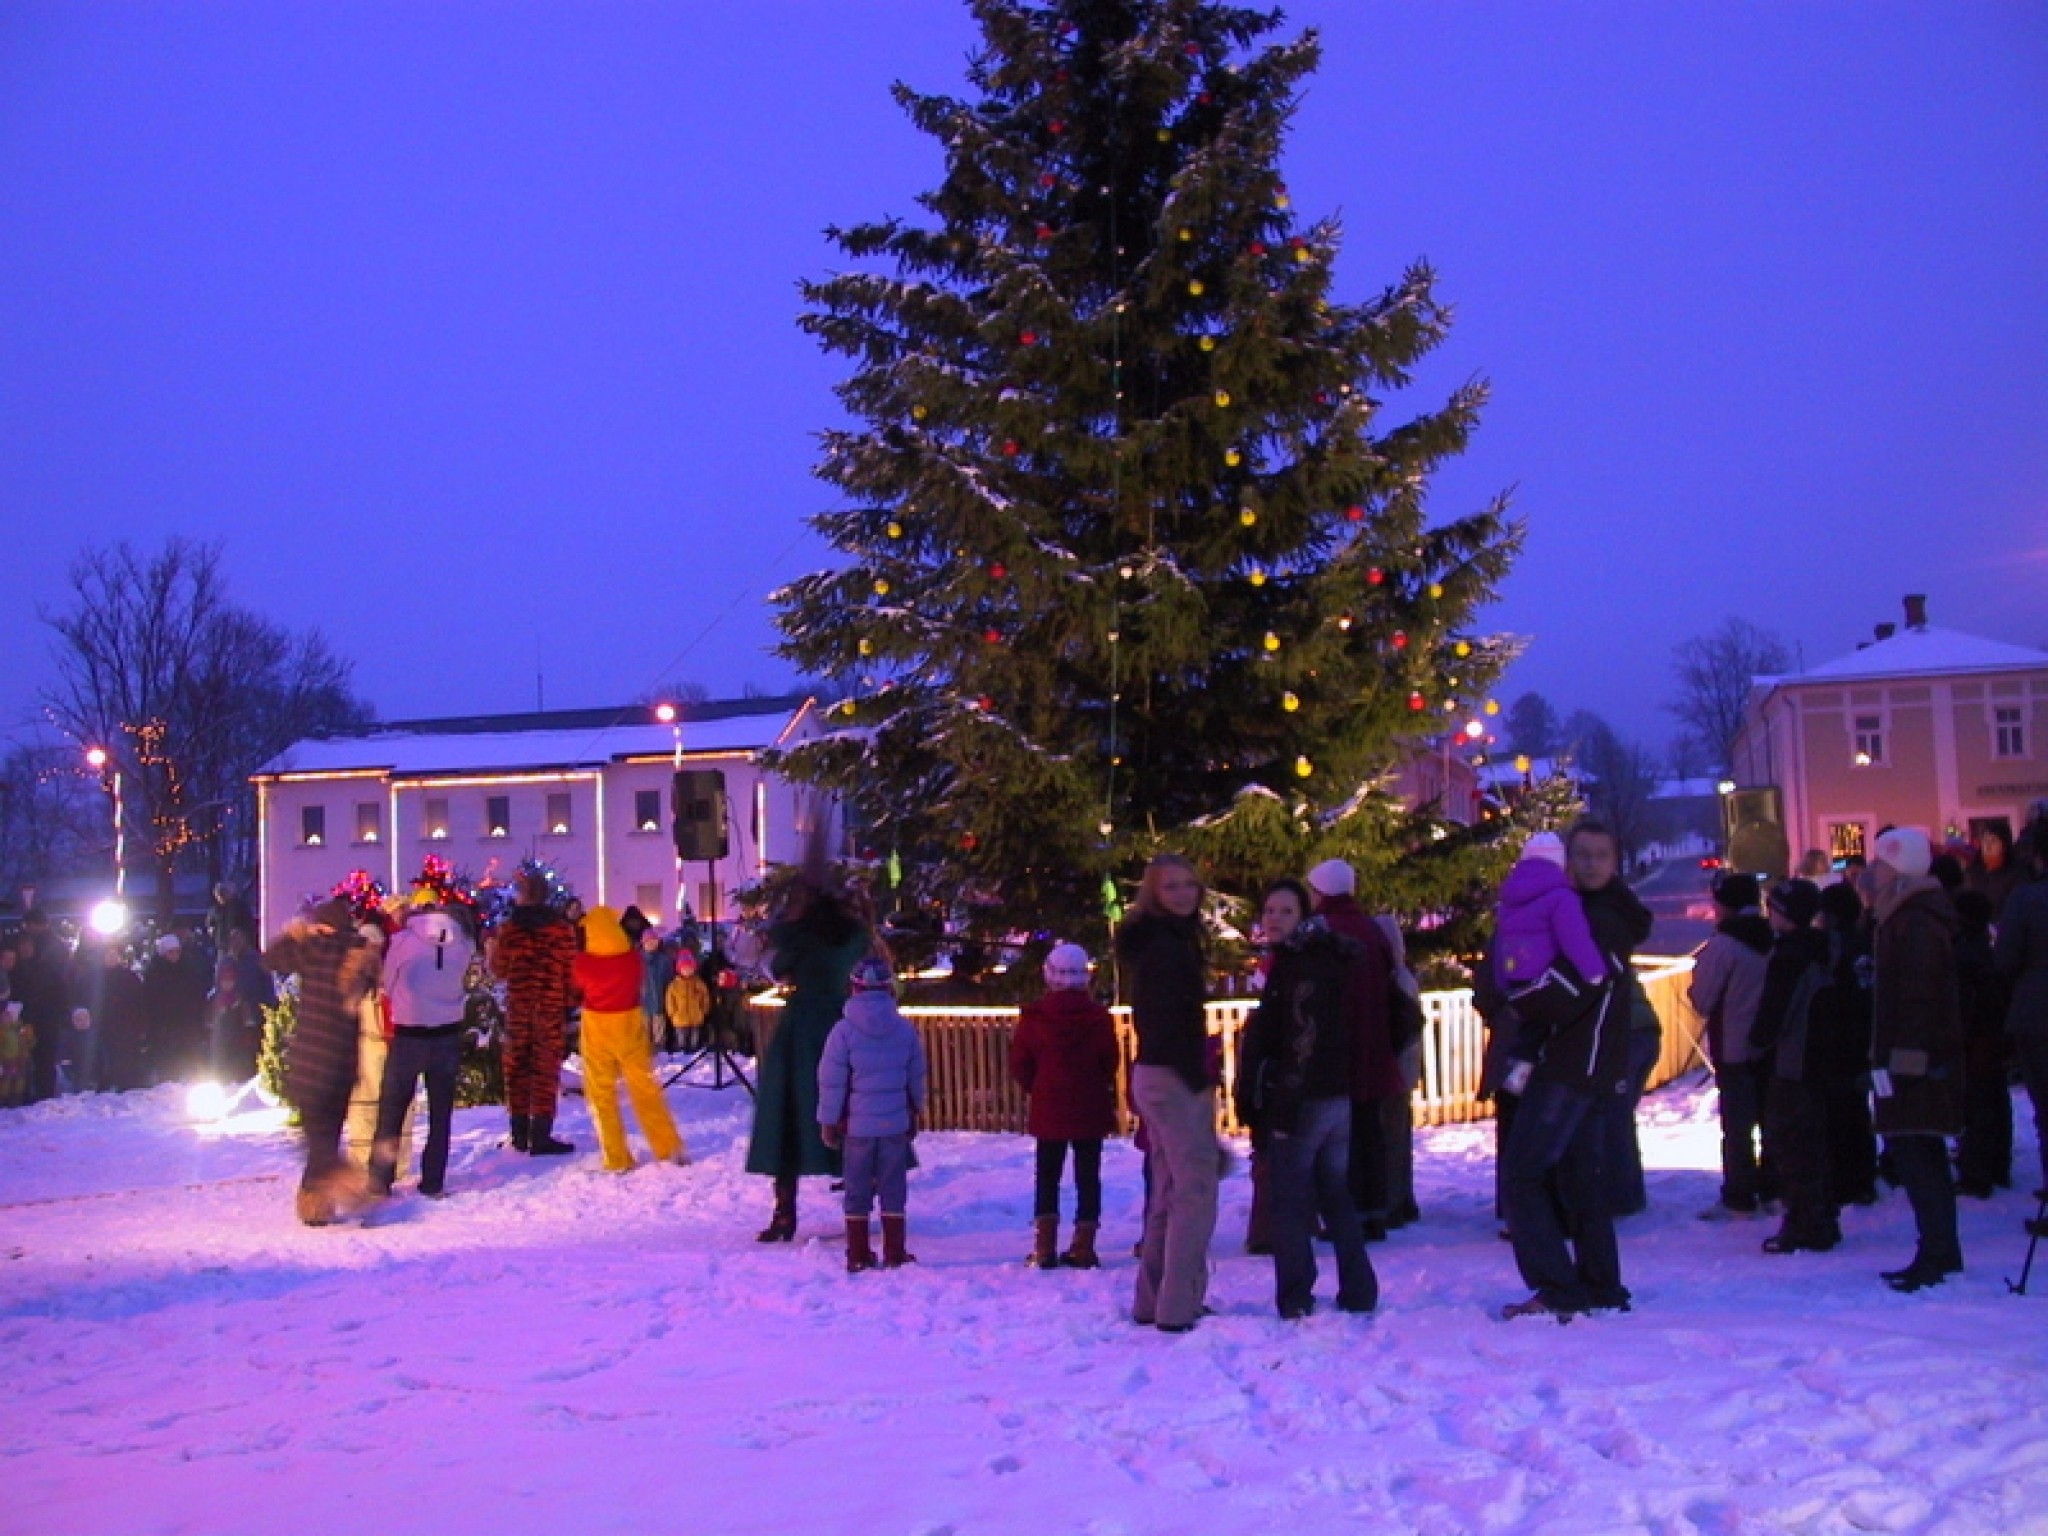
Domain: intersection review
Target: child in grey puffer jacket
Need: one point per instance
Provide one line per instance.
(871, 1087)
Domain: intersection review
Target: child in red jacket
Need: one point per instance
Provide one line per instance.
(1064, 1055)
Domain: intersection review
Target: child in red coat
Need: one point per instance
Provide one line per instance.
(1065, 1056)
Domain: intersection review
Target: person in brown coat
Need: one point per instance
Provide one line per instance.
(335, 970)
(1064, 1055)
(1916, 1049)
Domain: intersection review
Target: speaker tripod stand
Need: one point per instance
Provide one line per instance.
(722, 1062)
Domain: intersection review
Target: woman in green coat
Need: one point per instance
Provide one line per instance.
(813, 950)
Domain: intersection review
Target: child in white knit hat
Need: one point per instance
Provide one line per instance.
(1065, 1056)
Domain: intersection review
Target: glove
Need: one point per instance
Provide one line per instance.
(1518, 1077)
(834, 1136)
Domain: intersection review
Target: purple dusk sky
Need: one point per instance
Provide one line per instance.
(470, 328)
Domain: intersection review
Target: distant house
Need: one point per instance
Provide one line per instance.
(1921, 726)
(587, 792)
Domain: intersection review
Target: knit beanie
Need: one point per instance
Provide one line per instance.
(1332, 877)
(1797, 901)
(874, 975)
(1736, 893)
(1066, 967)
(1906, 849)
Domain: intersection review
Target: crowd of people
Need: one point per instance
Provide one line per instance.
(1857, 1021)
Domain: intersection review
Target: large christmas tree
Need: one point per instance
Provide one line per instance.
(1130, 550)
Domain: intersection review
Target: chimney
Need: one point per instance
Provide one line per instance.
(1886, 631)
(1916, 611)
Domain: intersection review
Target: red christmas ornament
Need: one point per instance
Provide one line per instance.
(1047, 179)
(1416, 701)
(1356, 514)
(992, 636)
(1056, 126)
(984, 703)
(1028, 338)
(969, 841)
(1204, 98)
(1192, 50)
(1375, 576)
(1010, 449)
(1400, 639)
(1258, 247)
(998, 571)
(1298, 243)
(1045, 231)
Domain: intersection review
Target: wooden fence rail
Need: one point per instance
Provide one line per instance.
(968, 1053)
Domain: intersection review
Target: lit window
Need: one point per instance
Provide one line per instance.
(559, 824)
(647, 809)
(1869, 741)
(497, 816)
(369, 822)
(313, 825)
(1845, 841)
(2009, 732)
(437, 821)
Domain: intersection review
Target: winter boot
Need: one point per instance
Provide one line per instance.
(1080, 1252)
(314, 1208)
(781, 1226)
(894, 1254)
(859, 1255)
(1045, 1243)
(540, 1138)
(521, 1128)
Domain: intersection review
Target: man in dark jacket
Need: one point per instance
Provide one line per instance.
(1620, 924)
(1794, 1023)
(1573, 1076)
(42, 985)
(2021, 955)
(174, 997)
(1916, 1048)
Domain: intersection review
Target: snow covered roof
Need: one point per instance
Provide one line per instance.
(419, 748)
(1914, 652)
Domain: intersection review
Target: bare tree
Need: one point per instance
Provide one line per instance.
(189, 695)
(1533, 726)
(1618, 778)
(1715, 672)
(53, 819)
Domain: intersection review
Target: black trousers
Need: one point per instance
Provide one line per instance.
(433, 1054)
(1052, 1159)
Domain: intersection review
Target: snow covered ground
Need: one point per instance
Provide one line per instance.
(558, 1350)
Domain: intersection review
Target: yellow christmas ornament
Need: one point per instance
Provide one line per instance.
(1290, 702)
(1464, 648)
(1493, 706)
(1436, 589)
(1164, 136)
(1272, 641)
(1303, 254)
(881, 586)
(895, 530)
(1187, 234)
(1280, 200)
(1247, 516)
(1258, 576)
(1195, 287)
(1208, 343)
(867, 646)
(1233, 458)
(1222, 398)
(918, 413)
(1303, 767)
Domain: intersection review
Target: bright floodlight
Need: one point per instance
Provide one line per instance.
(665, 713)
(206, 1101)
(96, 757)
(108, 918)
(1475, 729)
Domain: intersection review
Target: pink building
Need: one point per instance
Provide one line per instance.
(1922, 726)
(587, 792)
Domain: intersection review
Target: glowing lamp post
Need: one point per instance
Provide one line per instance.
(102, 762)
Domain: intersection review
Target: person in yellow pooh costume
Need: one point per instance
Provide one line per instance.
(615, 1045)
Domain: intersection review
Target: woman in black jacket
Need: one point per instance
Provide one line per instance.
(1159, 947)
(1294, 1090)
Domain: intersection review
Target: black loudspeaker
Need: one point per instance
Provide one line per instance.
(697, 796)
(1753, 821)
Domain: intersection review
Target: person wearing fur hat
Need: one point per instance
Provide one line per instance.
(615, 1045)
(174, 999)
(335, 969)
(1727, 984)
(1065, 1056)
(813, 947)
(1916, 1046)
(871, 1087)
(426, 965)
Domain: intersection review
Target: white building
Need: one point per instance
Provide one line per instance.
(587, 792)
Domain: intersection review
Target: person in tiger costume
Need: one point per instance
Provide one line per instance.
(531, 953)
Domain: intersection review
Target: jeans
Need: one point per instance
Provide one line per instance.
(1623, 1154)
(1308, 1172)
(1555, 1188)
(416, 1053)
(1180, 1216)
(1052, 1158)
(877, 1165)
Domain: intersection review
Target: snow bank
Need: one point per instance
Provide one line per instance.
(558, 1349)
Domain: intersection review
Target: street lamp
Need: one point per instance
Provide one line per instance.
(102, 762)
